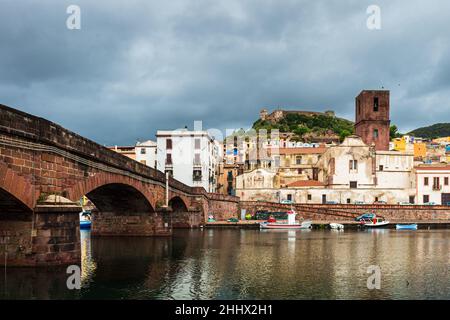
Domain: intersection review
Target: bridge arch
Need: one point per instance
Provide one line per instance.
(17, 188)
(95, 186)
(178, 205)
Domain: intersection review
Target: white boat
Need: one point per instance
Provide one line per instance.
(374, 223)
(290, 224)
(337, 226)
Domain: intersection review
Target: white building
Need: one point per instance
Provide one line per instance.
(146, 153)
(191, 157)
(432, 184)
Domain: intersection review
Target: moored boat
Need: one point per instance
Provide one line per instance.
(406, 226)
(85, 220)
(337, 226)
(374, 223)
(290, 224)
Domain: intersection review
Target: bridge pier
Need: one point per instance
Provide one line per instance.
(190, 218)
(50, 236)
(130, 224)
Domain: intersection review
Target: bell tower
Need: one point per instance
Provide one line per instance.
(372, 122)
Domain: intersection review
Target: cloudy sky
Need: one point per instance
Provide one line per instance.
(138, 66)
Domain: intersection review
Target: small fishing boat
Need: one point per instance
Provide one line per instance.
(337, 226)
(85, 220)
(290, 224)
(406, 226)
(374, 223)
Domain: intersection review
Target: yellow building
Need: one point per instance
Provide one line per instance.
(420, 150)
(399, 144)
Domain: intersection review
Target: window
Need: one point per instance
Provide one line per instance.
(426, 198)
(375, 133)
(436, 183)
(375, 104)
(324, 198)
(359, 106)
(353, 164)
(381, 168)
(446, 181)
(143, 150)
(197, 158)
(353, 184)
(289, 197)
(169, 144)
(197, 175)
(299, 171)
(309, 197)
(197, 144)
(169, 158)
(411, 199)
(230, 176)
(376, 199)
(298, 160)
(349, 200)
(425, 181)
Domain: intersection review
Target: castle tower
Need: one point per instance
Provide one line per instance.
(372, 118)
(263, 114)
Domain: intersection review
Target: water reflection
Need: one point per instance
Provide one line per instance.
(250, 264)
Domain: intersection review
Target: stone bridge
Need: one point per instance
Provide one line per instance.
(46, 169)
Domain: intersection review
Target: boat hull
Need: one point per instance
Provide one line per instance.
(336, 226)
(84, 225)
(376, 225)
(274, 225)
(406, 226)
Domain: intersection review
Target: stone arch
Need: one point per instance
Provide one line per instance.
(119, 197)
(17, 187)
(178, 205)
(101, 179)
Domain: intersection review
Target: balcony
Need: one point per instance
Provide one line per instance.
(437, 188)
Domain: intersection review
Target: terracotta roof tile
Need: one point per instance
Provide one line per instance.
(305, 183)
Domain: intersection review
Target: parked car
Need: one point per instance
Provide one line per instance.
(431, 203)
(332, 202)
(285, 201)
(359, 202)
(404, 203)
(380, 202)
(365, 216)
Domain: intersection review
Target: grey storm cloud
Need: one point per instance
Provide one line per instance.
(139, 66)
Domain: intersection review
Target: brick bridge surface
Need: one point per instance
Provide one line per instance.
(45, 170)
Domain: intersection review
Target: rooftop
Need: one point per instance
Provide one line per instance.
(305, 183)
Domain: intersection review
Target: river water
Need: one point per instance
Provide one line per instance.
(249, 264)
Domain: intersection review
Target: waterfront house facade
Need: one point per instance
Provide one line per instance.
(432, 184)
(191, 157)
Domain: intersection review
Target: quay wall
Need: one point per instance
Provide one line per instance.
(339, 212)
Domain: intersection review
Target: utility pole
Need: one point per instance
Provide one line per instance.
(167, 188)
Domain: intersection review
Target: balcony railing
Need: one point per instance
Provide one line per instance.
(437, 188)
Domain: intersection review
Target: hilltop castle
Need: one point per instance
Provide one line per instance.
(277, 115)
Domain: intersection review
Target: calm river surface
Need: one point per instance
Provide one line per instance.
(249, 264)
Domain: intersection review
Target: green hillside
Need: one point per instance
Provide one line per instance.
(434, 131)
(301, 125)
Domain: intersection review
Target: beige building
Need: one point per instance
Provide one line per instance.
(351, 172)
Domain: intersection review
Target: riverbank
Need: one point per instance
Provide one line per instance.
(321, 224)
